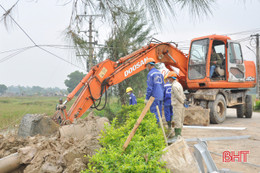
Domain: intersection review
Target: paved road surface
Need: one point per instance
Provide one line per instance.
(218, 147)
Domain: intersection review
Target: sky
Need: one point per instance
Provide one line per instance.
(46, 20)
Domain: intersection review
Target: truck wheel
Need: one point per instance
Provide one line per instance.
(218, 110)
(248, 106)
(240, 111)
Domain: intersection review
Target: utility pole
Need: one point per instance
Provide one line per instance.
(91, 42)
(91, 50)
(257, 66)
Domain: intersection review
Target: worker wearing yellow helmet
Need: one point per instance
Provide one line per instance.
(177, 101)
(132, 98)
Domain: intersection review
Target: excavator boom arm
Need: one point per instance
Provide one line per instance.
(109, 73)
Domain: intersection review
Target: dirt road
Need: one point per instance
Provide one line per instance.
(218, 147)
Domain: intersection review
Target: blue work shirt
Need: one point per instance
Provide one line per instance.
(132, 99)
(167, 94)
(155, 85)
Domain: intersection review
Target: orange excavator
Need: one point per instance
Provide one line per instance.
(213, 84)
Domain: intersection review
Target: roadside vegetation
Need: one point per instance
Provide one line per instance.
(257, 106)
(143, 152)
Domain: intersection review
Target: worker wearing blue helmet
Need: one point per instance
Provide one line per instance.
(155, 87)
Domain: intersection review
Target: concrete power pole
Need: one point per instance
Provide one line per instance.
(91, 42)
(91, 50)
(257, 66)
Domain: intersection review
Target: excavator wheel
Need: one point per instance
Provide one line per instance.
(240, 111)
(248, 106)
(246, 109)
(218, 109)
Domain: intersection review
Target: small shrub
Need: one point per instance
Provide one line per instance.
(143, 152)
(123, 114)
(257, 105)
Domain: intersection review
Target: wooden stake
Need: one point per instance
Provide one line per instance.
(146, 108)
(161, 124)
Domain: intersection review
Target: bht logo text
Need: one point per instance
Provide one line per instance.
(232, 156)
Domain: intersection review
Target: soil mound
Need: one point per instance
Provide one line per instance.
(63, 152)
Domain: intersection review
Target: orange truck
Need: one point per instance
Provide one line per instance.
(214, 83)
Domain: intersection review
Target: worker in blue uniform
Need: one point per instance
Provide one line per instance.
(155, 87)
(167, 103)
(132, 98)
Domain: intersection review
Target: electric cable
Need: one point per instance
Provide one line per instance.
(13, 55)
(35, 42)
(19, 26)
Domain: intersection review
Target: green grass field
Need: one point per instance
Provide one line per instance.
(12, 109)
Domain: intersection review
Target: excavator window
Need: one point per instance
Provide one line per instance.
(235, 54)
(217, 61)
(236, 66)
(198, 57)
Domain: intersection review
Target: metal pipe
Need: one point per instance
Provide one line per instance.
(9, 163)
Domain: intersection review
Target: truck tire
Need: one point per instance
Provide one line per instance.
(218, 109)
(240, 111)
(248, 106)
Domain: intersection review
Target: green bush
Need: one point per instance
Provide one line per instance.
(123, 114)
(143, 152)
(257, 106)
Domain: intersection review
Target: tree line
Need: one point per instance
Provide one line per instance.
(30, 91)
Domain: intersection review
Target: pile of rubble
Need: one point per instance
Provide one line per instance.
(62, 152)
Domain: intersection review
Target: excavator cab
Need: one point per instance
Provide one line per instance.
(215, 62)
(207, 59)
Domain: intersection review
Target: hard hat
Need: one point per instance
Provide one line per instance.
(150, 61)
(128, 89)
(172, 74)
(60, 99)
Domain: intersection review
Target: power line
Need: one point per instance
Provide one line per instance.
(35, 45)
(60, 58)
(20, 50)
(244, 32)
(242, 39)
(19, 26)
(13, 54)
(27, 48)
(249, 32)
(68, 47)
(12, 50)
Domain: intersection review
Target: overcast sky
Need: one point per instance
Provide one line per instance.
(45, 20)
